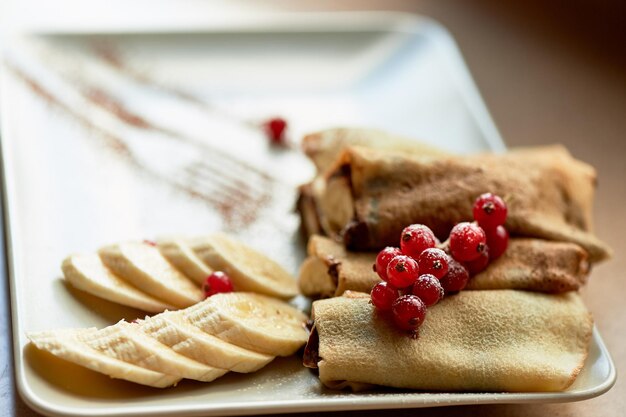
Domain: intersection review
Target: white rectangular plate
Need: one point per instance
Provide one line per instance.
(117, 136)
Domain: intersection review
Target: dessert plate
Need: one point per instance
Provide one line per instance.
(116, 135)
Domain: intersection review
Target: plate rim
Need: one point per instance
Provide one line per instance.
(347, 404)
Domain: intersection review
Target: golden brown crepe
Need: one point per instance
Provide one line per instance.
(528, 264)
(324, 147)
(502, 340)
(370, 196)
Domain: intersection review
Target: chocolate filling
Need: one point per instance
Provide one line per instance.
(356, 235)
(311, 355)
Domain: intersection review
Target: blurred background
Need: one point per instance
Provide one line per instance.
(549, 71)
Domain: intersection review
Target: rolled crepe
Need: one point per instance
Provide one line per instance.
(370, 196)
(501, 340)
(528, 264)
(324, 147)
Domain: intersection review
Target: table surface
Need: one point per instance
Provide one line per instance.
(544, 81)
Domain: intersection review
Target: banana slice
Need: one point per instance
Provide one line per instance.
(66, 344)
(249, 270)
(124, 341)
(252, 321)
(173, 330)
(143, 266)
(180, 254)
(88, 273)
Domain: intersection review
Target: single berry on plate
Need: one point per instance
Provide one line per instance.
(467, 241)
(402, 271)
(216, 283)
(383, 295)
(479, 264)
(433, 261)
(149, 242)
(275, 129)
(382, 260)
(408, 312)
(415, 239)
(489, 211)
(456, 278)
(428, 289)
(497, 240)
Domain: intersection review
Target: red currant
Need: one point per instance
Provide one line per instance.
(428, 289)
(382, 260)
(456, 278)
(489, 211)
(408, 312)
(217, 282)
(383, 295)
(467, 241)
(479, 264)
(415, 238)
(402, 271)
(433, 261)
(275, 129)
(149, 242)
(498, 240)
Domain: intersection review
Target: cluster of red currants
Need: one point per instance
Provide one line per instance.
(418, 274)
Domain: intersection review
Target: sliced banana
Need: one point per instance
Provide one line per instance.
(173, 330)
(143, 266)
(252, 321)
(182, 256)
(124, 341)
(88, 273)
(66, 344)
(248, 269)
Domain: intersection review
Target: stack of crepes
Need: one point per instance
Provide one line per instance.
(520, 326)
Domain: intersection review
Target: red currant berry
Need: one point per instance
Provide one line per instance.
(217, 282)
(408, 312)
(428, 289)
(149, 242)
(402, 271)
(275, 129)
(467, 241)
(433, 261)
(456, 278)
(498, 240)
(479, 264)
(383, 295)
(415, 238)
(489, 211)
(382, 260)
